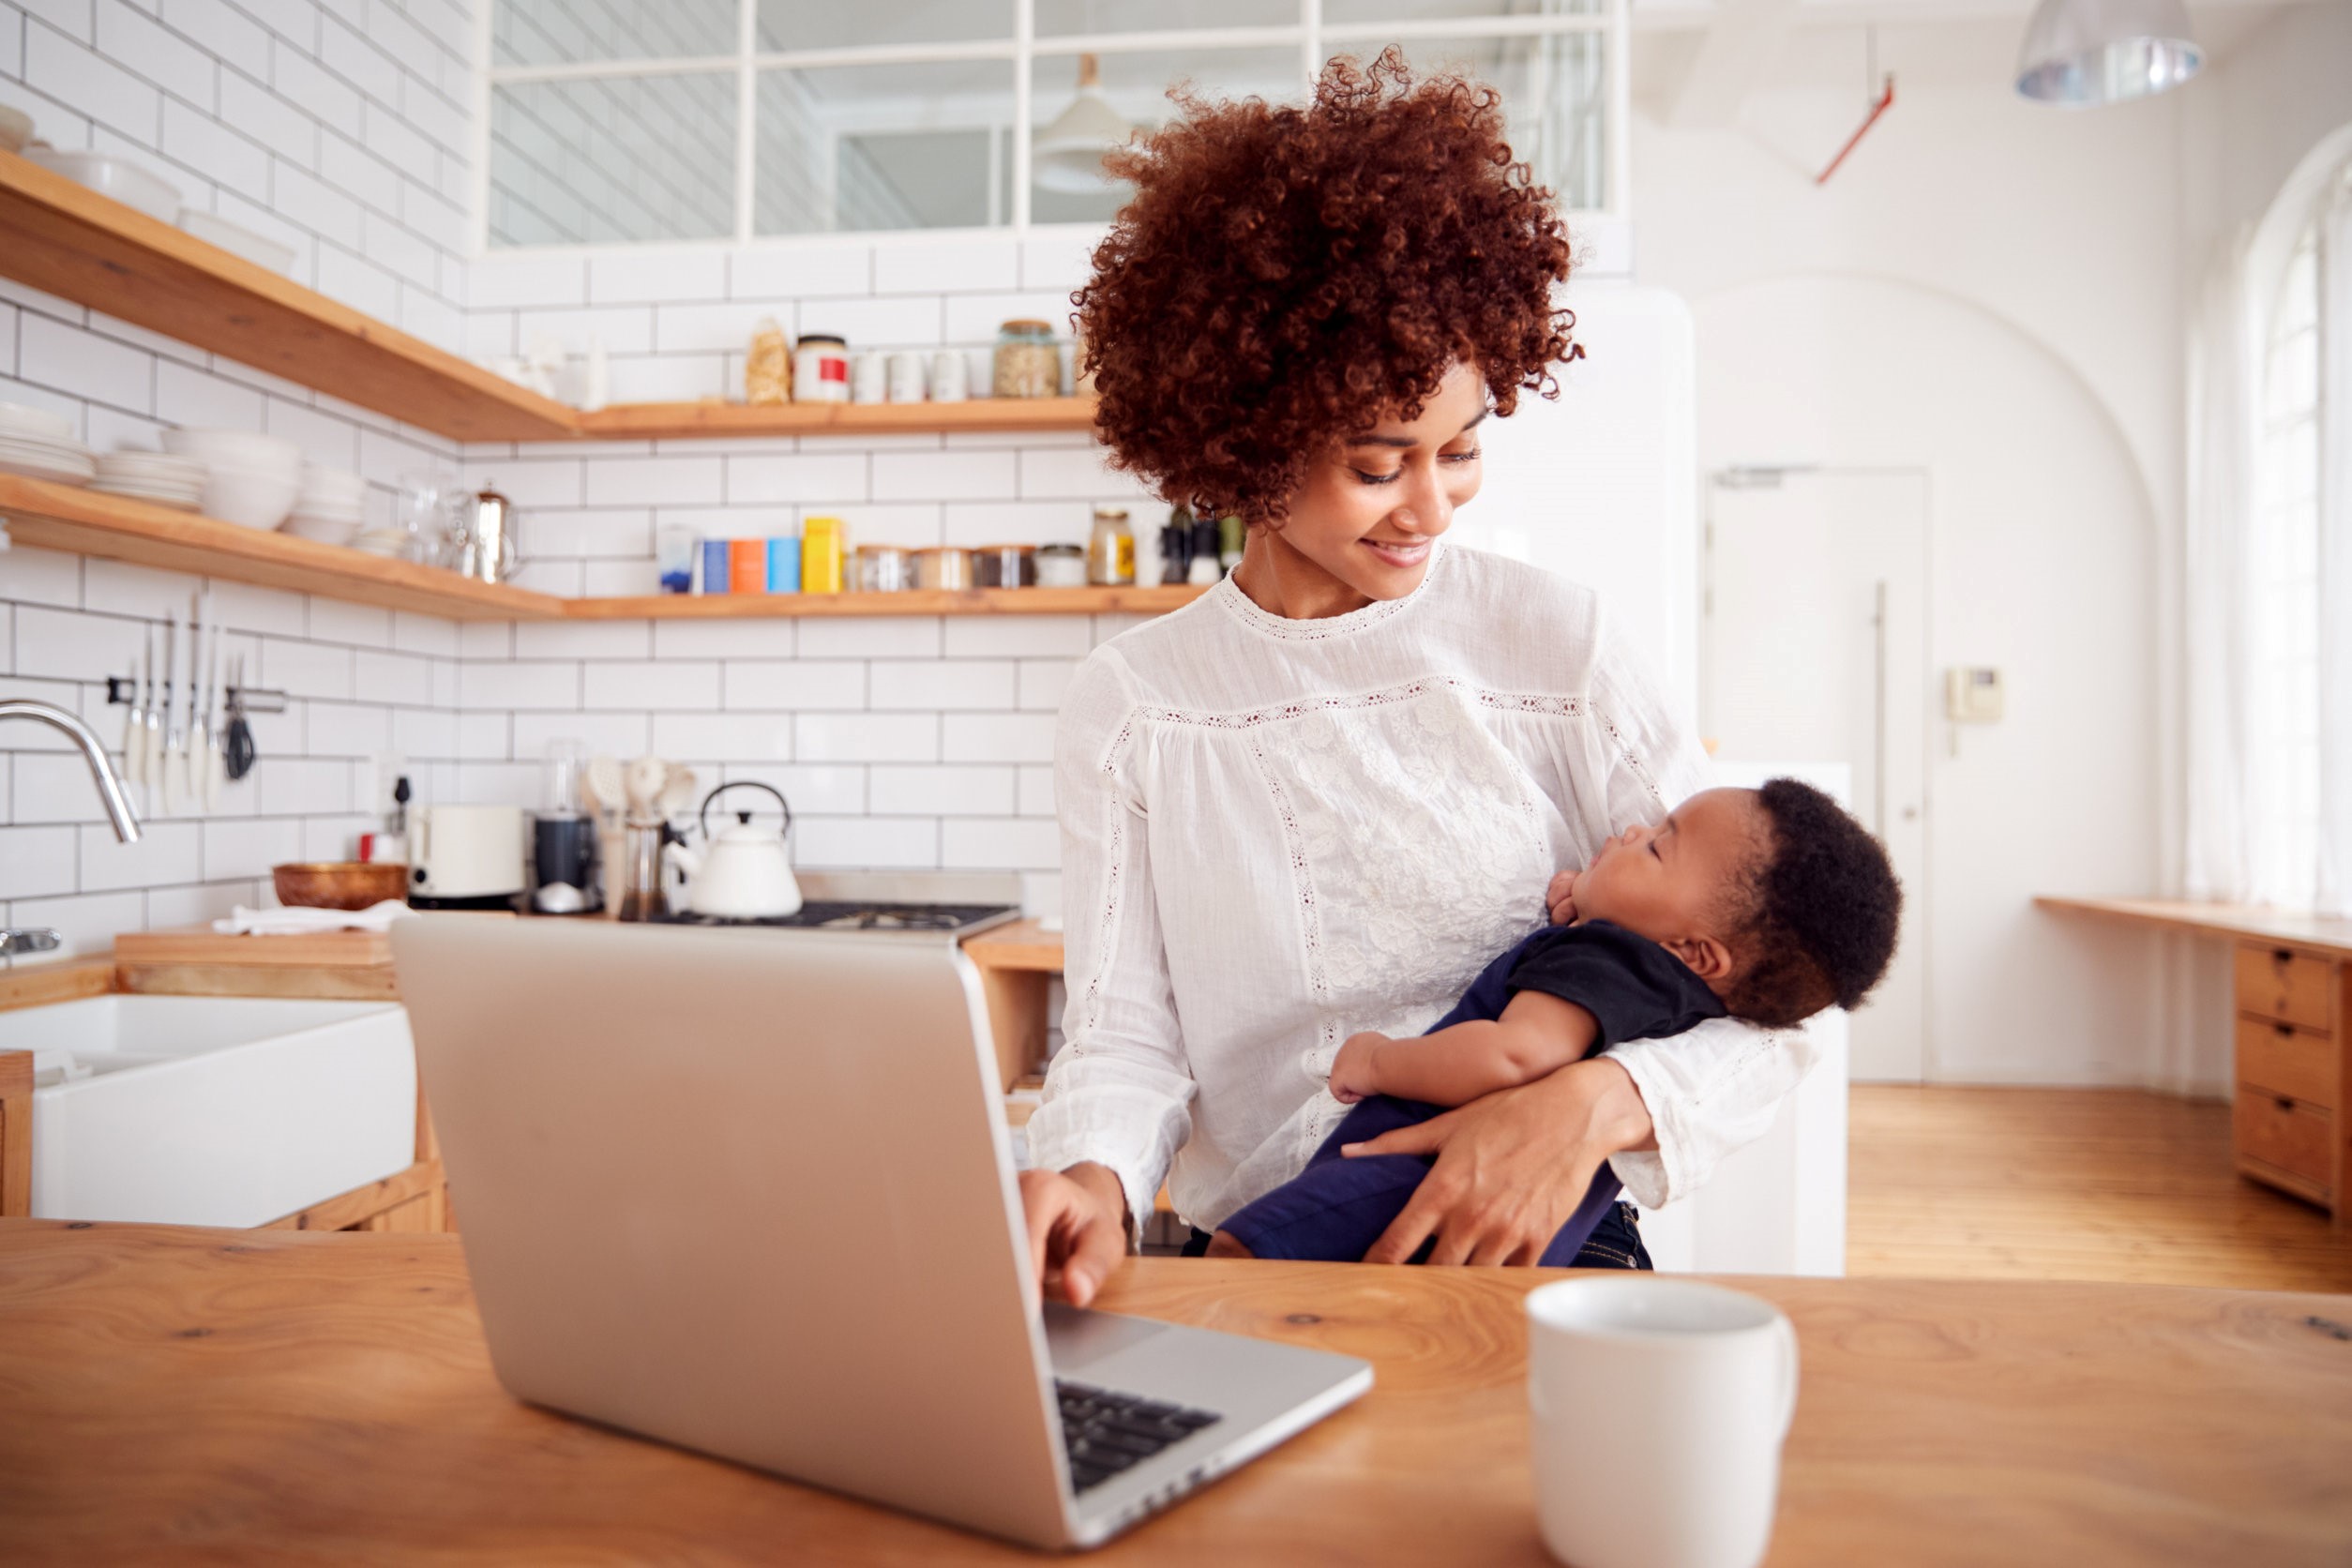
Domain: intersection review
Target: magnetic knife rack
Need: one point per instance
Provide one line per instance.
(125, 689)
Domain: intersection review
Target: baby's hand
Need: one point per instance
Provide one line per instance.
(1351, 1073)
(1562, 897)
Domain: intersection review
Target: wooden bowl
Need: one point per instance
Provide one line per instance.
(338, 884)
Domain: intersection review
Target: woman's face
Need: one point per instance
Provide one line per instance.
(1369, 510)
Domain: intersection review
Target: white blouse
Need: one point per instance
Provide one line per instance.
(1276, 833)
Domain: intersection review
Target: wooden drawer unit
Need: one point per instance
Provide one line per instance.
(2286, 1136)
(2283, 1060)
(2284, 985)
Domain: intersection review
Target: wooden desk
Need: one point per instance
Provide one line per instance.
(2293, 1036)
(181, 1395)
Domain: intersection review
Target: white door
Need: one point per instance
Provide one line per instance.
(1814, 649)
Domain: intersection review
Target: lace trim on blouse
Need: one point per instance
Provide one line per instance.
(1259, 619)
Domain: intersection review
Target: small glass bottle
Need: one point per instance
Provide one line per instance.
(1110, 551)
(1176, 545)
(1231, 537)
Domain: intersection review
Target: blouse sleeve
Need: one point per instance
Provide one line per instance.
(1717, 1086)
(1118, 1091)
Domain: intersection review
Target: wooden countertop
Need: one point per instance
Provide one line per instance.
(2321, 935)
(178, 1395)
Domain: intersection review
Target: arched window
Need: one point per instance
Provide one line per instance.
(2282, 569)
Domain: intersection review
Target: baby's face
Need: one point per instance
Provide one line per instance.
(1671, 884)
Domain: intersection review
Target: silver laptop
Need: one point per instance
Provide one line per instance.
(754, 1194)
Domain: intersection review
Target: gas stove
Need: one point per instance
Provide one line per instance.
(919, 904)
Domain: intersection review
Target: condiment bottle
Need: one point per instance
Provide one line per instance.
(1176, 545)
(1110, 551)
(821, 551)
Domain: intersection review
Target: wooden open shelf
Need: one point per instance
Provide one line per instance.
(71, 242)
(912, 601)
(686, 421)
(91, 522)
(78, 245)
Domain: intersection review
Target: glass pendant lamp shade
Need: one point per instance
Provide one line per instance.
(2081, 53)
(1068, 154)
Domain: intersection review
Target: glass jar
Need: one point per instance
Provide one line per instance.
(1005, 566)
(884, 569)
(1111, 550)
(942, 568)
(1028, 361)
(1061, 566)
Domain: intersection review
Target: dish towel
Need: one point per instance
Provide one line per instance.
(297, 922)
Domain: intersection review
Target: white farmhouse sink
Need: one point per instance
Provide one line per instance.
(212, 1110)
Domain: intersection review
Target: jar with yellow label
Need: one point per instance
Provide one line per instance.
(1110, 551)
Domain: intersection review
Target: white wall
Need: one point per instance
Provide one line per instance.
(339, 128)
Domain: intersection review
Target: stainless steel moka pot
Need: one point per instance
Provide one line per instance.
(484, 544)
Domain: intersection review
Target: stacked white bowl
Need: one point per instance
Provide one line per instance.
(250, 479)
(41, 445)
(157, 476)
(330, 506)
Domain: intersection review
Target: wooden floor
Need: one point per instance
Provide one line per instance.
(2066, 1184)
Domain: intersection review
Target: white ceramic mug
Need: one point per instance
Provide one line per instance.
(869, 378)
(1658, 1407)
(951, 377)
(909, 379)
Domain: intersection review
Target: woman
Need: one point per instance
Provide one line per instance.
(1321, 798)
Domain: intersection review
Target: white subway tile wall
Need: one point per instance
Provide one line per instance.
(343, 129)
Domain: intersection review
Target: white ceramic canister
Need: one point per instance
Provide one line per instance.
(820, 370)
(951, 377)
(908, 382)
(869, 378)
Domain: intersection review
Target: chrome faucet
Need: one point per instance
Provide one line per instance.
(110, 783)
(29, 938)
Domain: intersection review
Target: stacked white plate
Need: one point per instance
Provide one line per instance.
(250, 479)
(41, 445)
(330, 507)
(157, 476)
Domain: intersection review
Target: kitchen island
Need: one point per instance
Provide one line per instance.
(180, 1394)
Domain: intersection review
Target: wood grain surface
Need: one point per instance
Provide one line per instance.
(185, 1396)
(72, 242)
(1146, 599)
(2320, 935)
(713, 418)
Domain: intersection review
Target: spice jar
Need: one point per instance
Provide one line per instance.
(942, 568)
(1027, 362)
(820, 370)
(884, 569)
(1110, 551)
(1061, 566)
(1005, 567)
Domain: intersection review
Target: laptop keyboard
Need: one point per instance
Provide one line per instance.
(1105, 1432)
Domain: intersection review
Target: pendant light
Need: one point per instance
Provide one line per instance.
(2082, 54)
(1067, 155)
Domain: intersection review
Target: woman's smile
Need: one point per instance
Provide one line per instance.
(1400, 553)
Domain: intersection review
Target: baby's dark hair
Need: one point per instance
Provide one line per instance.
(1821, 926)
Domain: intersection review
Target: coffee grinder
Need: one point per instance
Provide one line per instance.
(563, 878)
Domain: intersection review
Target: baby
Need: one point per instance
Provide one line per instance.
(1768, 905)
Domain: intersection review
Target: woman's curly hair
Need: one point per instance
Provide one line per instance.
(1288, 276)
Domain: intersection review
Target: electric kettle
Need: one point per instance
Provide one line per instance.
(743, 872)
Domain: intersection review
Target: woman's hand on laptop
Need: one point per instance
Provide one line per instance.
(1077, 1228)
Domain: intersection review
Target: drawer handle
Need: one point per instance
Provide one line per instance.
(2286, 1030)
(2282, 955)
(2285, 1104)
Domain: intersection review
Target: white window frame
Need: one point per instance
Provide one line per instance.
(1315, 40)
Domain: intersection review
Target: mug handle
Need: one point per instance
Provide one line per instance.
(1786, 1333)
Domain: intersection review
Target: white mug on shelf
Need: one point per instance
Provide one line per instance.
(951, 377)
(869, 378)
(1658, 1407)
(907, 378)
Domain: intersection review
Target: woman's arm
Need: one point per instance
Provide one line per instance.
(1536, 1034)
(1115, 1106)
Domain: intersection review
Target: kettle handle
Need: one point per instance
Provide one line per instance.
(746, 784)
